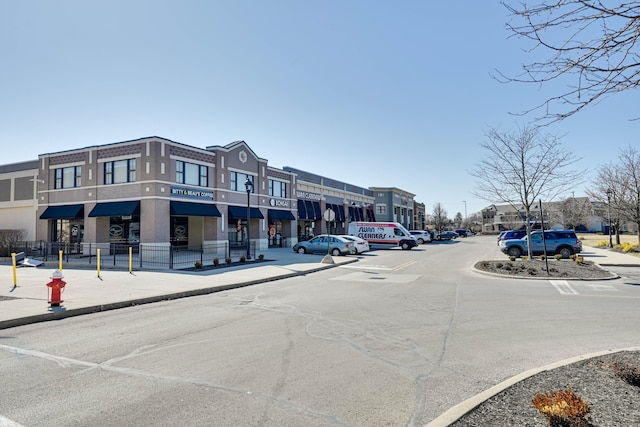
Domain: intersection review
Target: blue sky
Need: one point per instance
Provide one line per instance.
(368, 92)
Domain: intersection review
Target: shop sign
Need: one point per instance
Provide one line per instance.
(191, 193)
(277, 203)
(305, 195)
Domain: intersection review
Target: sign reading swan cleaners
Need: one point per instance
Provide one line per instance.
(191, 193)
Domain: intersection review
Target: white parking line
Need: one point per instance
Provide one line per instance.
(6, 422)
(563, 287)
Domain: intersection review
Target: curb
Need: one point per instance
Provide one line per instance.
(63, 314)
(612, 276)
(458, 411)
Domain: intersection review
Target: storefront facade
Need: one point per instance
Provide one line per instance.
(155, 191)
(316, 194)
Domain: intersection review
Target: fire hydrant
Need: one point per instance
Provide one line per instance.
(57, 286)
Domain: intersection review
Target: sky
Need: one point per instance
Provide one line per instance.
(369, 92)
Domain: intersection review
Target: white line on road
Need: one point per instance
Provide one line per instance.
(6, 422)
(563, 287)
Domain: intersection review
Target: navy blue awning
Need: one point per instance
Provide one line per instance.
(302, 210)
(238, 212)
(63, 212)
(341, 216)
(317, 210)
(193, 209)
(359, 214)
(352, 216)
(310, 213)
(131, 208)
(281, 215)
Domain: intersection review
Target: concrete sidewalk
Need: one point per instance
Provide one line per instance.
(85, 292)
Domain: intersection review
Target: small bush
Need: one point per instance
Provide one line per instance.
(261, 257)
(512, 258)
(628, 247)
(572, 257)
(243, 259)
(542, 257)
(602, 244)
(558, 257)
(216, 261)
(563, 408)
(499, 265)
(197, 265)
(532, 271)
(524, 257)
(228, 260)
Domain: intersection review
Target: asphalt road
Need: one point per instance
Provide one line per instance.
(395, 340)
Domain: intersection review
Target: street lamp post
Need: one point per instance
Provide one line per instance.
(465, 211)
(609, 209)
(249, 186)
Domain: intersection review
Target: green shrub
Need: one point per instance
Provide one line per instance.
(197, 265)
(524, 257)
(243, 258)
(261, 257)
(216, 261)
(228, 260)
(542, 257)
(512, 258)
(558, 257)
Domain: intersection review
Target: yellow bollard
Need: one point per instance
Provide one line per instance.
(13, 262)
(98, 258)
(60, 260)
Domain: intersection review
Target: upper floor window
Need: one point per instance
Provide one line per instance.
(277, 188)
(192, 174)
(381, 209)
(69, 177)
(120, 171)
(238, 179)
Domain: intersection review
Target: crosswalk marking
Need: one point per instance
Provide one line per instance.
(563, 287)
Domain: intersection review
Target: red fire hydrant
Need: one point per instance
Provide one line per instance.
(57, 286)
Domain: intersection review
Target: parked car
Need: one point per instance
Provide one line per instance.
(563, 242)
(359, 244)
(464, 233)
(422, 236)
(334, 245)
(447, 235)
(511, 234)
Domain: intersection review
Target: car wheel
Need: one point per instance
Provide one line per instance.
(421, 241)
(405, 246)
(565, 252)
(301, 250)
(335, 252)
(514, 251)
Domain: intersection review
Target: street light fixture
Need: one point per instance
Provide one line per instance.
(609, 209)
(249, 186)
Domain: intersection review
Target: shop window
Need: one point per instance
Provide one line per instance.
(237, 182)
(68, 177)
(120, 171)
(192, 174)
(277, 188)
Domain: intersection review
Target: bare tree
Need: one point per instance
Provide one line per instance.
(458, 219)
(440, 219)
(575, 211)
(607, 189)
(522, 168)
(588, 41)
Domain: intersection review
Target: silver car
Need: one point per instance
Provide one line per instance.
(334, 245)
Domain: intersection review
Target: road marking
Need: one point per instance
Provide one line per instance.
(602, 288)
(6, 422)
(563, 287)
(406, 264)
(367, 267)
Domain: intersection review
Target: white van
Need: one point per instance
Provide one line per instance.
(383, 233)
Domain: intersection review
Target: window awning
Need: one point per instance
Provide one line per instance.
(63, 212)
(317, 210)
(281, 215)
(236, 212)
(309, 206)
(193, 209)
(339, 210)
(116, 209)
(302, 210)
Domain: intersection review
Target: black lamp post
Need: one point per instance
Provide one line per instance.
(249, 186)
(609, 209)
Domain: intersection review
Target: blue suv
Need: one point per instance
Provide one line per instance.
(563, 242)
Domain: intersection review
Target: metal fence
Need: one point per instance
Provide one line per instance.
(139, 256)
